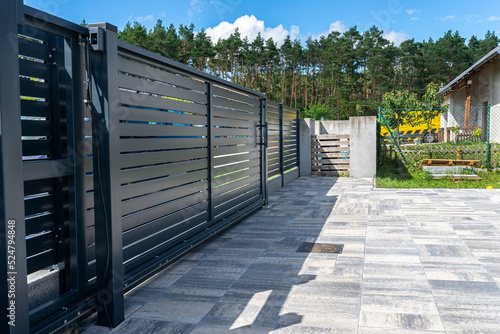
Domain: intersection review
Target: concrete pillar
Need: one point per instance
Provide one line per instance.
(305, 145)
(363, 154)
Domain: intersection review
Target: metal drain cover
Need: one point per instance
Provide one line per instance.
(309, 247)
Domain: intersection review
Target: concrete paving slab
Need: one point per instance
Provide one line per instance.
(414, 261)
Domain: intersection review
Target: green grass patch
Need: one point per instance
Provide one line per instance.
(394, 174)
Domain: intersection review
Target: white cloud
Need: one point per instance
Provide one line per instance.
(335, 26)
(449, 17)
(412, 11)
(295, 32)
(195, 8)
(396, 37)
(493, 18)
(147, 18)
(250, 27)
(414, 19)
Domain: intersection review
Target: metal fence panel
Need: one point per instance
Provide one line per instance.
(163, 157)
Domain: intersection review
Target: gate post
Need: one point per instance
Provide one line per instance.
(263, 150)
(280, 116)
(14, 273)
(106, 154)
(297, 133)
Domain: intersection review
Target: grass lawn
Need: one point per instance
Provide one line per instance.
(394, 174)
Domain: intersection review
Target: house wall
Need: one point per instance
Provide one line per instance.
(485, 88)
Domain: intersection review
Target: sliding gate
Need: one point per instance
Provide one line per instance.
(115, 163)
(182, 156)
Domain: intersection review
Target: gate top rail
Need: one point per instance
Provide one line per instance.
(50, 23)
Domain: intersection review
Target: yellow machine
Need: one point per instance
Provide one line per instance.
(409, 133)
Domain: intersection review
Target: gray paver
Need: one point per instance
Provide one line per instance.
(414, 261)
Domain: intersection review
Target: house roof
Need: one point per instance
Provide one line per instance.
(481, 63)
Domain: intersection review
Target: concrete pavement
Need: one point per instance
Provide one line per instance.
(414, 261)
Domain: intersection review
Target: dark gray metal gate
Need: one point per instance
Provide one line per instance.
(115, 162)
(45, 127)
(181, 157)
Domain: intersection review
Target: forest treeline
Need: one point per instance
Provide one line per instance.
(339, 75)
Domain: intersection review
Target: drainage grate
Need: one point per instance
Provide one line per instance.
(309, 247)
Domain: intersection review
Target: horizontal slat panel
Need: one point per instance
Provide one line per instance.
(150, 144)
(325, 137)
(229, 196)
(236, 105)
(326, 161)
(273, 155)
(236, 167)
(272, 173)
(234, 176)
(41, 261)
(233, 185)
(273, 150)
(144, 173)
(132, 235)
(239, 206)
(331, 143)
(136, 114)
(148, 130)
(35, 108)
(33, 69)
(140, 203)
(329, 149)
(33, 49)
(235, 141)
(142, 85)
(38, 205)
(235, 96)
(291, 165)
(37, 147)
(154, 213)
(163, 240)
(33, 33)
(235, 149)
(219, 112)
(147, 187)
(235, 202)
(130, 98)
(288, 128)
(235, 132)
(35, 245)
(37, 187)
(330, 167)
(36, 128)
(218, 121)
(236, 158)
(146, 71)
(329, 155)
(39, 224)
(33, 88)
(271, 167)
(151, 158)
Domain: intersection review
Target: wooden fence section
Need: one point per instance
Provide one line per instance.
(416, 153)
(466, 136)
(330, 155)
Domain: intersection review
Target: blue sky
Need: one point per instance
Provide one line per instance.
(400, 19)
